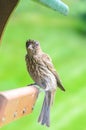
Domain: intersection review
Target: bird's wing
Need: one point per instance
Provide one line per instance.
(48, 62)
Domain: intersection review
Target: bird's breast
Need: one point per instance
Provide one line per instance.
(41, 74)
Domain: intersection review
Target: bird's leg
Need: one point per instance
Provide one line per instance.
(32, 84)
(36, 86)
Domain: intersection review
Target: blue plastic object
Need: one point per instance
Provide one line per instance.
(57, 5)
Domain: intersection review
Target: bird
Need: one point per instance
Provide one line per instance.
(41, 69)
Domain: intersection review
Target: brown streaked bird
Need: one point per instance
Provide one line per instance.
(42, 71)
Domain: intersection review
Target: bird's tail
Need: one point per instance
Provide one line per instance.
(44, 117)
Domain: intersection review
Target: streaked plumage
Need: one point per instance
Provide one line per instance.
(41, 69)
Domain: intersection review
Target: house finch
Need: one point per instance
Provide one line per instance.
(41, 69)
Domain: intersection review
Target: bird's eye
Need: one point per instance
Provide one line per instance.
(36, 43)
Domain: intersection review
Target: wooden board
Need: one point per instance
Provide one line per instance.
(16, 103)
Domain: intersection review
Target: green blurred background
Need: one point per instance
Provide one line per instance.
(64, 39)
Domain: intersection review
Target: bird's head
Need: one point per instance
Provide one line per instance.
(32, 47)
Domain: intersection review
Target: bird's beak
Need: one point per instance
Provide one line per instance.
(30, 47)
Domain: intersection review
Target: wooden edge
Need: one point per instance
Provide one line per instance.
(6, 8)
(3, 102)
(17, 103)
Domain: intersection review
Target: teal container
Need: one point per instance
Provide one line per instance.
(57, 5)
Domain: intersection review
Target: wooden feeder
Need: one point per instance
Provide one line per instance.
(18, 102)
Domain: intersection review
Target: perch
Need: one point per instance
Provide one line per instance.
(16, 103)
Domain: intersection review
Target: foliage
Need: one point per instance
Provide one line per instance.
(79, 11)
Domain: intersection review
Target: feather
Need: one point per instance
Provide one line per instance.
(48, 62)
